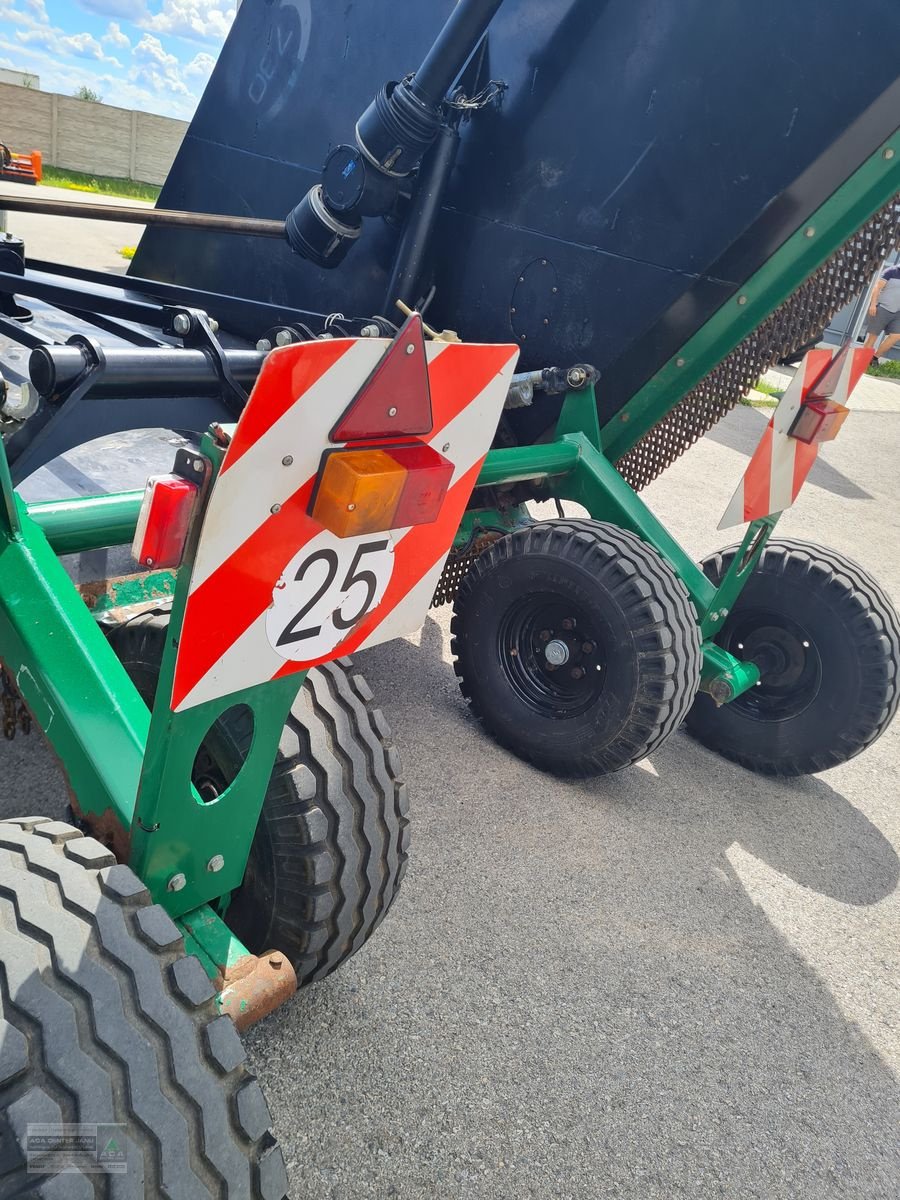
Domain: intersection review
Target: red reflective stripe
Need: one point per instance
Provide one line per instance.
(229, 601)
(804, 457)
(861, 360)
(288, 376)
(757, 478)
(459, 374)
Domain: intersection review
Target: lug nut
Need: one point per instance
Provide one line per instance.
(587, 647)
(568, 623)
(544, 635)
(577, 672)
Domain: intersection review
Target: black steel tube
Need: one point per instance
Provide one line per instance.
(132, 373)
(464, 29)
(409, 261)
(214, 222)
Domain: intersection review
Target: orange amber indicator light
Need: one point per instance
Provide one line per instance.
(368, 490)
(358, 491)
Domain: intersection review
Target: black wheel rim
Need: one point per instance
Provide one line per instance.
(552, 655)
(788, 659)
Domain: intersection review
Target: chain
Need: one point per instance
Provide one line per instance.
(15, 715)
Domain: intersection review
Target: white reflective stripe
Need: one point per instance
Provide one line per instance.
(406, 616)
(244, 494)
(781, 478)
(734, 513)
(248, 660)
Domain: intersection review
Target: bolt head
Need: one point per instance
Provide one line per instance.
(679, 362)
(148, 562)
(213, 325)
(888, 154)
(276, 508)
(742, 299)
(176, 883)
(283, 337)
(556, 653)
(198, 464)
(264, 344)
(276, 961)
(216, 863)
(182, 323)
(351, 507)
(809, 231)
(287, 460)
(410, 349)
(445, 447)
(392, 412)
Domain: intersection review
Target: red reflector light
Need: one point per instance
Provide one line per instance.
(395, 401)
(164, 521)
(371, 489)
(818, 421)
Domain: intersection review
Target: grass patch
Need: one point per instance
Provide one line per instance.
(128, 251)
(766, 389)
(885, 370)
(105, 185)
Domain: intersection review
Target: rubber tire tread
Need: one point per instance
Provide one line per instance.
(601, 549)
(332, 843)
(820, 567)
(110, 1037)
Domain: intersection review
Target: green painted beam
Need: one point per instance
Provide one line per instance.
(854, 202)
(88, 522)
(76, 688)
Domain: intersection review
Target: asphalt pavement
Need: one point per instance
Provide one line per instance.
(677, 981)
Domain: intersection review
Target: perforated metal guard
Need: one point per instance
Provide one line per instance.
(799, 321)
(796, 323)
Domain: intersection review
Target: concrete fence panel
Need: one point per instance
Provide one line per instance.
(82, 135)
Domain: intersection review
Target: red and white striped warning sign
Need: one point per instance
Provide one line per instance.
(781, 463)
(272, 591)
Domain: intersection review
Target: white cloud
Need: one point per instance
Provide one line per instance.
(79, 45)
(116, 37)
(200, 66)
(130, 10)
(206, 20)
(39, 10)
(156, 68)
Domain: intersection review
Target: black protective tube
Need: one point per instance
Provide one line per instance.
(409, 261)
(465, 28)
(140, 372)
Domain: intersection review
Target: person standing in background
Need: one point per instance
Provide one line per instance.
(884, 312)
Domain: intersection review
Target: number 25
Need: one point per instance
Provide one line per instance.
(291, 633)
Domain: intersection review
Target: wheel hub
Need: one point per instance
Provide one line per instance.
(789, 664)
(551, 656)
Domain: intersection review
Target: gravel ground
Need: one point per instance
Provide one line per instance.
(677, 981)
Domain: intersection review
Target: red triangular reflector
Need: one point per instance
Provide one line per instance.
(396, 398)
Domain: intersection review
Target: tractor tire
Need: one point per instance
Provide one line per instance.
(330, 849)
(827, 641)
(576, 646)
(103, 1019)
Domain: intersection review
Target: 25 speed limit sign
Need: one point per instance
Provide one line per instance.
(272, 591)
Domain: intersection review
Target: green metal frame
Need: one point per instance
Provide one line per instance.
(129, 769)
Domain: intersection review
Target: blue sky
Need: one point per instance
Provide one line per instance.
(155, 55)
